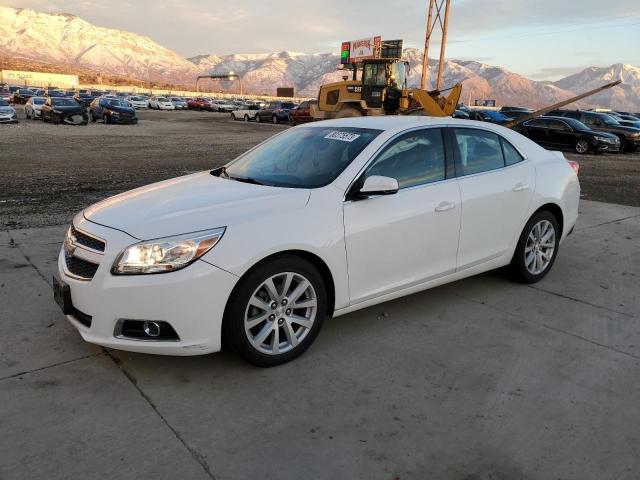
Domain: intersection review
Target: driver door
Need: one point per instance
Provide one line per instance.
(403, 239)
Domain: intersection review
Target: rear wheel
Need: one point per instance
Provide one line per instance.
(27, 114)
(106, 119)
(258, 118)
(276, 311)
(274, 119)
(233, 117)
(347, 112)
(582, 146)
(246, 117)
(537, 248)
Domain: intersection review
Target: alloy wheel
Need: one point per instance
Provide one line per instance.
(280, 313)
(540, 246)
(582, 146)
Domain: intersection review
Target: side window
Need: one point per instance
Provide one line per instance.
(511, 155)
(478, 151)
(536, 123)
(556, 125)
(332, 97)
(414, 158)
(303, 105)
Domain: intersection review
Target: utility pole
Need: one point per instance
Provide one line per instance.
(441, 18)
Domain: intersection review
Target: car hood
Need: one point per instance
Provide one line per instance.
(120, 109)
(599, 133)
(617, 128)
(69, 109)
(5, 110)
(194, 202)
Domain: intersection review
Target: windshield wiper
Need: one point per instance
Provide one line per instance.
(246, 180)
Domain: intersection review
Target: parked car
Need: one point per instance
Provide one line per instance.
(112, 110)
(7, 113)
(246, 113)
(179, 103)
(33, 107)
(83, 99)
(161, 103)
(22, 95)
(507, 110)
(342, 183)
(199, 103)
(301, 113)
(629, 136)
(55, 93)
(218, 105)
(491, 116)
(138, 101)
(275, 112)
(628, 120)
(63, 110)
(6, 95)
(568, 133)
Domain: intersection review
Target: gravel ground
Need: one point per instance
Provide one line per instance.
(49, 172)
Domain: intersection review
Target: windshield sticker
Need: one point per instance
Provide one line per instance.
(342, 136)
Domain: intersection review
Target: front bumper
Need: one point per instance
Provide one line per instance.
(191, 300)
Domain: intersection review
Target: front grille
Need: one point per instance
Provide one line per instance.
(87, 241)
(80, 268)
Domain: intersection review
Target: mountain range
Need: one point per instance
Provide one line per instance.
(67, 43)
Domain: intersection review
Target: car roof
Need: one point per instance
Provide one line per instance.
(401, 122)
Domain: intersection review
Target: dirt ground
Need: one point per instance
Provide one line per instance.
(49, 172)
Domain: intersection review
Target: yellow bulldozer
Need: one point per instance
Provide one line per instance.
(382, 90)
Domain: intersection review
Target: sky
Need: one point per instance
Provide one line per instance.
(541, 39)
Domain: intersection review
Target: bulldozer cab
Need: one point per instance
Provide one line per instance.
(381, 74)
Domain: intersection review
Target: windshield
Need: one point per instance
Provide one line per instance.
(117, 103)
(39, 101)
(25, 92)
(3, 103)
(302, 158)
(287, 105)
(162, 99)
(609, 120)
(63, 102)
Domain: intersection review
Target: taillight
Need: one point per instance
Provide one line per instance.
(574, 165)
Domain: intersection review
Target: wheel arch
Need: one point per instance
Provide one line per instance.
(557, 212)
(312, 258)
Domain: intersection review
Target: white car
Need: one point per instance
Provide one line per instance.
(33, 107)
(320, 220)
(245, 113)
(161, 103)
(221, 106)
(7, 113)
(138, 102)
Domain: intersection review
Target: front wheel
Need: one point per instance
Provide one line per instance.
(258, 120)
(274, 119)
(276, 311)
(233, 117)
(582, 146)
(537, 248)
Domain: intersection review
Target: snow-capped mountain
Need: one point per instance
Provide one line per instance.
(67, 43)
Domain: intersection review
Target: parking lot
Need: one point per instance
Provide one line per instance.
(482, 379)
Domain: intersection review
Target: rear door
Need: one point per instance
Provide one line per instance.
(496, 187)
(537, 130)
(560, 134)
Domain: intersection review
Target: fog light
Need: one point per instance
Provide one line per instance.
(151, 328)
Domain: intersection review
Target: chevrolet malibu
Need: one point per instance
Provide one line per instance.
(318, 221)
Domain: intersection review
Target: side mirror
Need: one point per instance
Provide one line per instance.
(378, 185)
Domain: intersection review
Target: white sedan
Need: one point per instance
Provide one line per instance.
(161, 103)
(33, 107)
(138, 102)
(318, 221)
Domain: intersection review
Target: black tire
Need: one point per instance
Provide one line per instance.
(292, 121)
(233, 325)
(106, 119)
(348, 112)
(92, 117)
(246, 117)
(274, 120)
(582, 146)
(518, 265)
(233, 117)
(258, 120)
(622, 146)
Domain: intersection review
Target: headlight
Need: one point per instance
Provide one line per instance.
(56, 111)
(166, 254)
(634, 135)
(604, 139)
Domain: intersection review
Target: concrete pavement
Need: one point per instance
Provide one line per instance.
(476, 380)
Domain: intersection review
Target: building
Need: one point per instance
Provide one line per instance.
(38, 79)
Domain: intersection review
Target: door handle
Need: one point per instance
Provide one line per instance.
(444, 206)
(518, 187)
